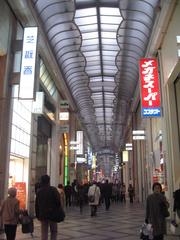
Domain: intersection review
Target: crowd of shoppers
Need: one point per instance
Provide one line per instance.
(49, 199)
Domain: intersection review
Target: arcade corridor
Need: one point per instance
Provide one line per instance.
(90, 91)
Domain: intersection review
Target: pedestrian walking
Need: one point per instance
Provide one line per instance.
(107, 194)
(62, 195)
(68, 194)
(81, 195)
(176, 207)
(94, 194)
(157, 211)
(131, 193)
(47, 204)
(123, 193)
(10, 214)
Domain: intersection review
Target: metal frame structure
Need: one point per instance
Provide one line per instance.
(98, 44)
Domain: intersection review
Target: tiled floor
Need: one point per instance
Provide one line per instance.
(122, 221)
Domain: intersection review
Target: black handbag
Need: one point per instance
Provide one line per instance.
(91, 198)
(164, 210)
(26, 222)
(56, 215)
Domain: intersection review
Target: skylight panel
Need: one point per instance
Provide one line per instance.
(97, 95)
(108, 34)
(88, 28)
(110, 19)
(91, 53)
(108, 79)
(90, 47)
(90, 41)
(108, 58)
(109, 41)
(109, 27)
(89, 35)
(86, 20)
(95, 79)
(109, 11)
(86, 12)
(94, 58)
(109, 53)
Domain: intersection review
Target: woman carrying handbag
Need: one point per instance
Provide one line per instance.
(94, 190)
(10, 214)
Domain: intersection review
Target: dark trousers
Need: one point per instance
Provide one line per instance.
(159, 237)
(93, 210)
(68, 200)
(45, 227)
(131, 198)
(107, 202)
(10, 231)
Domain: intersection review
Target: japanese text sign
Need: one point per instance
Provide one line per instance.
(150, 94)
(26, 88)
(21, 193)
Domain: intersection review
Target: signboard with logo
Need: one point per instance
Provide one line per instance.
(150, 92)
(27, 76)
(64, 128)
(79, 139)
(21, 193)
(64, 104)
(64, 116)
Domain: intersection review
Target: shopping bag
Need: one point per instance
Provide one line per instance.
(27, 224)
(175, 228)
(146, 231)
(172, 228)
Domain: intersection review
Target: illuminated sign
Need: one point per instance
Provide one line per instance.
(125, 156)
(93, 161)
(150, 93)
(66, 169)
(138, 134)
(64, 116)
(79, 139)
(138, 137)
(178, 43)
(64, 128)
(81, 160)
(64, 104)
(21, 193)
(26, 87)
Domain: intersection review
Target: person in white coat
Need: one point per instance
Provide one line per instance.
(94, 190)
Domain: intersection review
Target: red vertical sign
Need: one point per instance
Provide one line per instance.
(150, 92)
(21, 193)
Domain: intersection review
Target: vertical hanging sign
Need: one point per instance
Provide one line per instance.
(150, 92)
(27, 77)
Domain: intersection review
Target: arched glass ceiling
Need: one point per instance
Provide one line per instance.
(98, 26)
(97, 44)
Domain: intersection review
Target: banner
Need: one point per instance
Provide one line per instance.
(150, 92)
(21, 193)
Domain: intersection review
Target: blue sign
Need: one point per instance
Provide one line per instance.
(151, 112)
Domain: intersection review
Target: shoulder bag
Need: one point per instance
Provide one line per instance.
(91, 198)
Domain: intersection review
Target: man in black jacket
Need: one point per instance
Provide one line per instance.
(176, 207)
(47, 201)
(107, 190)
